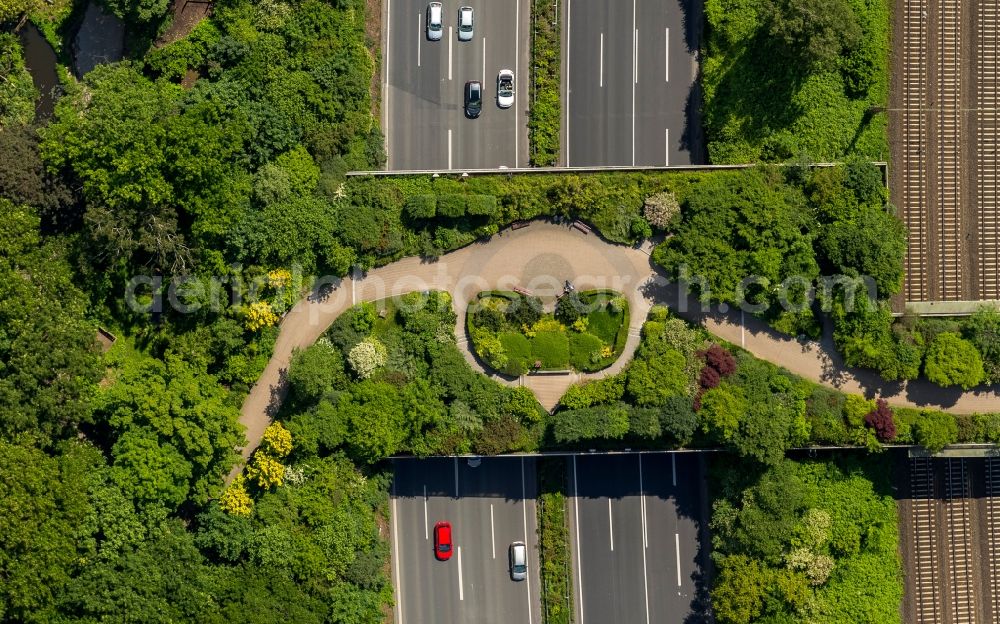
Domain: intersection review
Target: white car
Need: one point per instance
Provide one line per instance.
(465, 24)
(505, 88)
(434, 28)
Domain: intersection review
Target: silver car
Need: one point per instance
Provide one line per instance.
(434, 28)
(518, 561)
(465, 24)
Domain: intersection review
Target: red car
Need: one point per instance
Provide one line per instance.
(442, 541)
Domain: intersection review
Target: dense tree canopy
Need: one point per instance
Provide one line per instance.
(49, 365)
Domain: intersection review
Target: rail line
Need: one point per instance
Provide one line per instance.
(987, 163)
(924, 540)
(914, 135)
(992, 503)
(957, 503)
(949, 141)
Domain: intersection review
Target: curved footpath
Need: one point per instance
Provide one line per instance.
(540, 258)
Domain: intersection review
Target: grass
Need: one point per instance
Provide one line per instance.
(554, 541)
(551, 348)
(757, 109)
(582, 346)
(544, 114)
(518, 349)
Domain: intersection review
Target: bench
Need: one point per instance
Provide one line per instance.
(522, 291)
(517, 225)
(583, 227)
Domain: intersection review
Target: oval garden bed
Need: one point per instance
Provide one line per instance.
(513, 335)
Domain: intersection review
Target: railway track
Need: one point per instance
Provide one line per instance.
(992, 504)
(949, 140)
(957, 504)
(914, 164)
(988, 165)
(925, 561)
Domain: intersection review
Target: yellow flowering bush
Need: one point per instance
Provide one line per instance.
(277, 440)
(266, 471)
(236, 501)
(260, 315)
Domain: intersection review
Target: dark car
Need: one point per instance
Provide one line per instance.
(442, 540)
(473, 99)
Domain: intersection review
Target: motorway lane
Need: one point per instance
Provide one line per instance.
(672, 512)
(612, 586)
(636, 536)
(645, 114)
(425, 123)
(599, 100)
(495, 507)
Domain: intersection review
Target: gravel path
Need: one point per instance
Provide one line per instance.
(540, 258)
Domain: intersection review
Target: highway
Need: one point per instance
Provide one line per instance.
(629, 83)
(489, 506)
(423, 115)
(636, 528)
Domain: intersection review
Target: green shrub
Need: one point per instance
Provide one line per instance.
(585, 351)
(481, 205)
(554, 541)
(607, 390)
(518, 350)
(551, 348)
(644, 422)
(544, 115)
(609, 422)
(421, 206)
(935, 430)
(451, 205)
(953, 361)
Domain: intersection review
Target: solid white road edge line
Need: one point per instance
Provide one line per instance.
(420, 29)
(397, 589)
(611, 527)
(576, 510)
(451, 40)
(493, 536)
(524, 518)
(666, 146)
(517, 76)
(677, 548)
(449, 167)
(484, 61)
(645, 542)
(461, 589)
(385, 87)
(602, 59)
(426, 533)
(569, 40)
(666, 56)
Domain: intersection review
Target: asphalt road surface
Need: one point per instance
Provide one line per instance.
(488, 506)
(635, 524)
(629, 79)
(424, 116)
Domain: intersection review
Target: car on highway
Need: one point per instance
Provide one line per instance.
(473, 99)
(518, 555)
(465, 24)
(434, 28)
(505, 88)
(442, 541)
